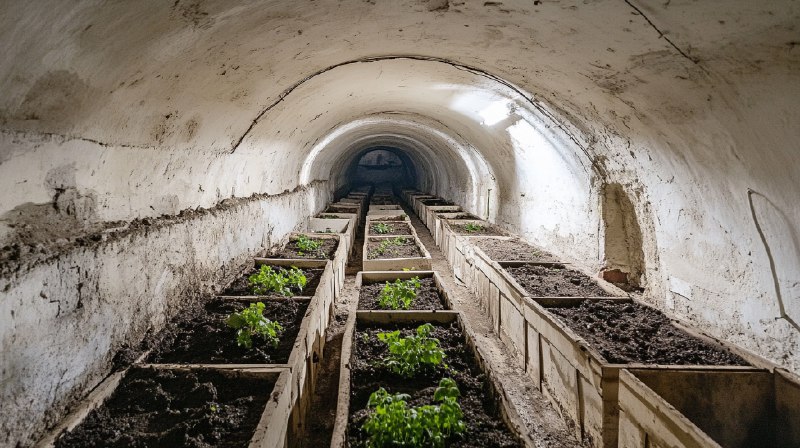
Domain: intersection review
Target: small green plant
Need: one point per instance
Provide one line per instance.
(307, 245)
(282, 281)
(386, 245)
(381, 228)
(410, 354)
(251, 322)
(472, 227)
(399, 295)
(392, 423)
(329, 217)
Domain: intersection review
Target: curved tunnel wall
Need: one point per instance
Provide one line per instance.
(221, 125)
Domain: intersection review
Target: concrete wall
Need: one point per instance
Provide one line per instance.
(521, 111)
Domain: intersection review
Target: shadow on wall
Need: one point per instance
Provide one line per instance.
(623, 262)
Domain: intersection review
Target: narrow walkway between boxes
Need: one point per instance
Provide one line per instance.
(542, 422)
(545, 426)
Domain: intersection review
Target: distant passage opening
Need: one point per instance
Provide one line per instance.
(383, 165)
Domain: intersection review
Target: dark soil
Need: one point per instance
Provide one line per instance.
(485, 428)
(395, 228)
(460, 215)
(201, 336)
(339, 209)
(240, 287)
(325, 252)
(172, 408)
(485, 230)
(408, 249)
(382, 200)
(433, 202)
(428, 297)
(512, 250)
(332, 217)
(626, 332)
(555, 281)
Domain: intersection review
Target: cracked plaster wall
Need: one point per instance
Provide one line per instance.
(121, 111)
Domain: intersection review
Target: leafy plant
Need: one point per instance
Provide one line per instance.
(408, 355)
(282, 281)
(329, 217)
(387, 244)
(307, 245)
(472, 227)
(381, 228)
(393, 423)
(251, 322)
(399, 295)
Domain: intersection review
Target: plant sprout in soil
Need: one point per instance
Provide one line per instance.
(307, 245)
(381, 228)
(399, 295)
(282, 281)
(472, 227)
(410, 354)
(393, 423)
(386, 245)
(250, 322)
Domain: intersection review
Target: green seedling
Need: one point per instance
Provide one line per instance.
(251, 322)
(282, 281)
(399, 295)
(392, 423)
(472, 227)
(410, 354)
(329, 217)
(307, 245)
(381, 228)
(386, 245)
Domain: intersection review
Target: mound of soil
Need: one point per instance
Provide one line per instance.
(169, 408)
(485, 427)
(627, 332)
(428, 297)
(201, 336)
(395, 228)
(555, 281)
(325, 252)
(240, 286)
(485, 230)
(512, 250)
(408, 249)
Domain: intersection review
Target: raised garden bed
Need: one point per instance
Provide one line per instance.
(474, 228)
(160, 407)
(457, 247)
(553, 280)
(241, 287)
(488, 422)
(395, 253)
(439, 221)
(202, 336)
(737, 408)
(334, 225)
(429, 296)
(295, 249)
(420, 201)
(581, 381)
(511, 249)
(377, 227)
(431, 212)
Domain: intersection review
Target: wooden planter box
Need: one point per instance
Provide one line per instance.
(439, 221)
(431, 211)
(415, 197)
(406, 193)
(457, 248)
(397, 264)
(399, 220)
(341, 207)
(385, 210)
(704, 407)
(271, 431)
(418, 205)
(339, 260)
(574, 376)
(339, 439)
(370, 277)
(345, 227)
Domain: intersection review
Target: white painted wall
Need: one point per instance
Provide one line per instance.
(151, 108)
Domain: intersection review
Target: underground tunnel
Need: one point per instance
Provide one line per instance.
(503, 223)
